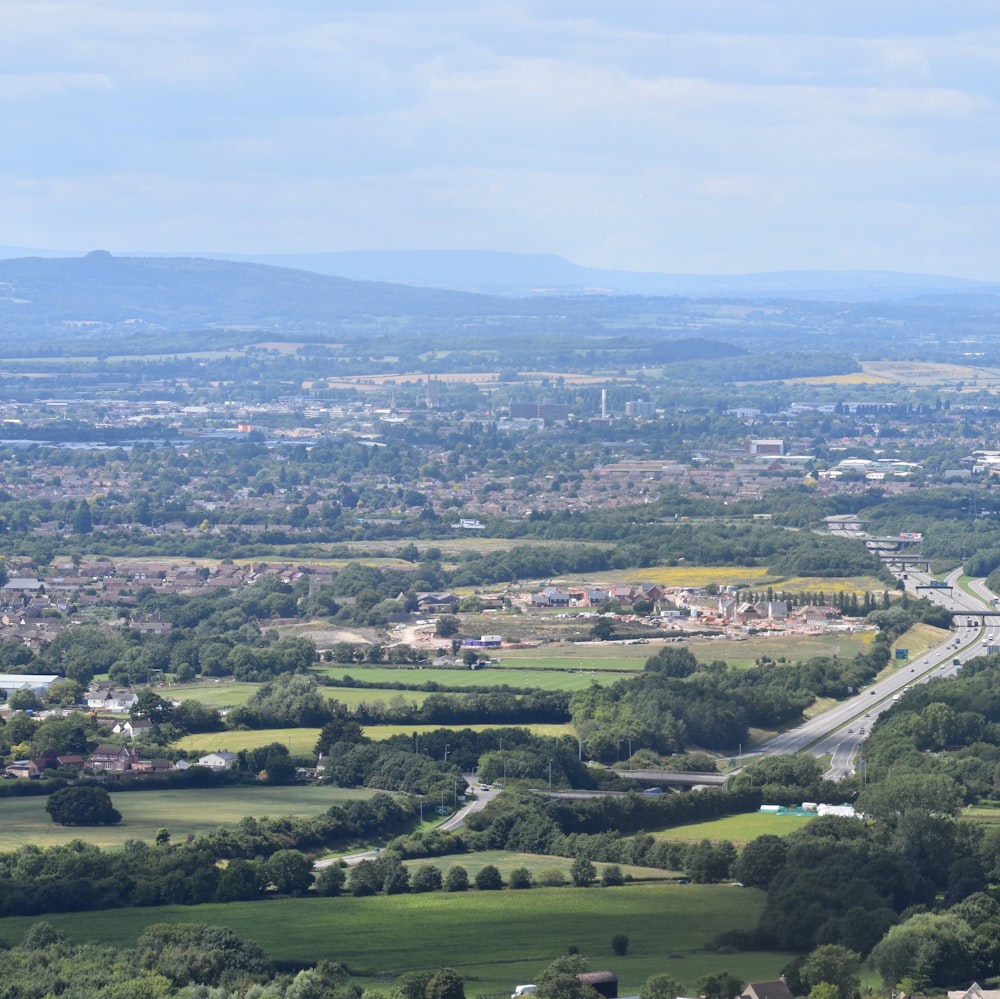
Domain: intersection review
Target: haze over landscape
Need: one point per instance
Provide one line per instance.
(499, 493)
(711, 138)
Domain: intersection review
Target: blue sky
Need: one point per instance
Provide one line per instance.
(705, 137)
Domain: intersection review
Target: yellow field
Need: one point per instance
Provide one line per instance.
(854, 378)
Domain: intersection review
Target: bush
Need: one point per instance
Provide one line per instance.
(612, 876)
(82, 805)
(457, 879)
(489, 879)
(520, 877)
(551, 877)
(619, 944)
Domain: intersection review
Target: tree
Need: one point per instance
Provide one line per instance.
(239, 882)
(519, 878)
(833, 965)
(447, 625)
(760, 861)
(489, 878)
(583, 873)
(330, 881)
(82, 805)
(934, 949)
(560, 980)
(289, 871)
(150, 706)
(457, 879)
(720, 986)
(83, 521)
(619, 944)
(602, 629)
(612, 877)
(447, 983)
(661, 987)
(427, 878)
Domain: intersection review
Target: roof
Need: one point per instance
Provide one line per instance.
(768, 990)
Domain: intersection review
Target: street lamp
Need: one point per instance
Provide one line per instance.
(446, 748)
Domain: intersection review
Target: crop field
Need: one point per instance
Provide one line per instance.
(735, 828)
(494, 939)
(984, 815)
(298, 740)
(184, 811)
(379, 732)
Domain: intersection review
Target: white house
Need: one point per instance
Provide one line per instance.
(222, 759)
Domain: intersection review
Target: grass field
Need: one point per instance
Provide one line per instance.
(495, 939)
(735, 828)
(183, 812)
(552, 677)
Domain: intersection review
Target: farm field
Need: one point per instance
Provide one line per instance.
(303, 740)
(793, 648)
(379, 732)
(737, 829)
(298, 740)
(495, 939)
(184, 811)
(554, 677)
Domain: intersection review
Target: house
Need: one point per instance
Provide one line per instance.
(117, 701)
(975, 991)
(134, 729)
(23, 769)
(767, 990)
(220, 760)
(154, 766)
(112, 759)
(436, 602)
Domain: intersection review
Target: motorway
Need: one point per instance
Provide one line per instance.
(839, 732)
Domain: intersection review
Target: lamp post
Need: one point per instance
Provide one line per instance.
(550, 775)
(446, 748)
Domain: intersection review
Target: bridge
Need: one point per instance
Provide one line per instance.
(889, 544)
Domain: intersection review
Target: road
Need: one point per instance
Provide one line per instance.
(840, 731)
(455, 821)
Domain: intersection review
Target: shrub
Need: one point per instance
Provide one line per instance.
(619, 944)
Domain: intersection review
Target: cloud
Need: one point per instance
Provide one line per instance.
(642, 134)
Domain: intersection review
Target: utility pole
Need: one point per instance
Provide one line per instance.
(550, 775)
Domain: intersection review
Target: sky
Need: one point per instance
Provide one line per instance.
(675, 136)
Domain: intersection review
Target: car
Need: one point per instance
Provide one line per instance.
(868, 714)
(850, 731)
(873, 692)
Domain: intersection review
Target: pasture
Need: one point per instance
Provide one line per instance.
(738, 829)
(494, 939)
(188, 811)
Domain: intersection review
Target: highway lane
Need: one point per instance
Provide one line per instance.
(841, 730)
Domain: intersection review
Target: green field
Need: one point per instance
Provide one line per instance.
(736, 828)
(300, 741)
(553, 676)
(495, 939)
(184, 811)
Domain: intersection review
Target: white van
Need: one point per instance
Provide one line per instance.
(522, 990)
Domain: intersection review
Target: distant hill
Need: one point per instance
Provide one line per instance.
(99, 292)
(536, 274)
(529, 274)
